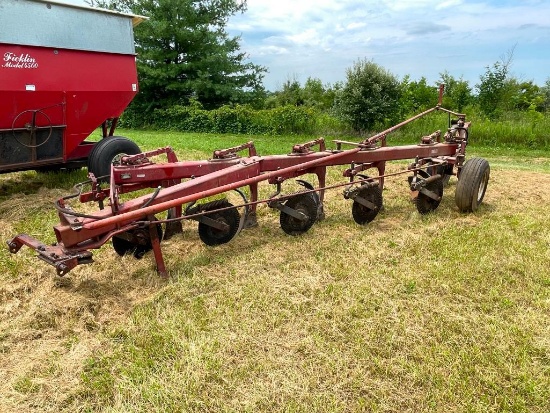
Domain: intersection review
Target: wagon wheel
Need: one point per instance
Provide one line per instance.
(136, 241)
(363, 214)
(304, 203)
(32, 127)
(109, 151)
(213, 236)
(424, 203)
(472, 184)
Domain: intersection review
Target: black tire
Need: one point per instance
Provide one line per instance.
(305, 203)
(106, 152)
(472, 184)
(425, 204)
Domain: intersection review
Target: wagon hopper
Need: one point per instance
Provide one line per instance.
(64, 71)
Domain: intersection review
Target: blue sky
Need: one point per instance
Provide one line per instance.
(297, 39)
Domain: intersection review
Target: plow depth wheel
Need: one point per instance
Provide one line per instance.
(304, 203)
(472, 184)
(363, 214)
(213, 236)
(424, 203)
(136, 241)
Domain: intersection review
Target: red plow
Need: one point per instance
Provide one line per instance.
(183, 190)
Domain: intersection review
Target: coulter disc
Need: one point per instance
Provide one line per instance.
(425, 204)
(213, 236)
(136, 241)
(363, 214)
(307, 204)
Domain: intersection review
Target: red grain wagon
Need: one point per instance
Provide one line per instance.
(65, 70)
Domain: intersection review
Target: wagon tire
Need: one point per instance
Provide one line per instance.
(472, 184)
(108, 152)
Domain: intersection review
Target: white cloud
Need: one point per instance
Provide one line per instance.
(449, 4)
(355, 25)
(273, 50)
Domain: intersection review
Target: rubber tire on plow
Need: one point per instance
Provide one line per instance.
(361, 214)
(108, 152)
(472, 184)
(305, 203)
(212, 236)
(425, 204)
(124, 247)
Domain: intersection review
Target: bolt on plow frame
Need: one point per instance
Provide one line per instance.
(183, 190)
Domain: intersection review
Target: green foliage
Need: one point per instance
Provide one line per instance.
(313, 94)
(528, 96)
(292, 120)
(545, 91)
(235, 119)
(416, 96)
(184, 52)
(529, 129)
(458, 93)
(290, 94)
(370, 97)
(494, 89)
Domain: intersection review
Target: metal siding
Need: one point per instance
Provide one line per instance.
(61, 26)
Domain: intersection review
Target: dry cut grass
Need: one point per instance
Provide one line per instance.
(440, 313)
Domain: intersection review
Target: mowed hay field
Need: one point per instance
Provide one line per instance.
(447, 312)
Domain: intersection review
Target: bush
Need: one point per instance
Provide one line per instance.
(289, 120)
(370, 96)
(238, 120)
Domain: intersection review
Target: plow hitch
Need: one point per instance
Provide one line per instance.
(55, 255)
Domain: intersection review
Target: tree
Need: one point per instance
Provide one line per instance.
(527, 96)
(290, 94)
(320, 96)
(546, 95)
(184, 53)
(369, 97)
(458, 93)
(494, 87)
(416, 96)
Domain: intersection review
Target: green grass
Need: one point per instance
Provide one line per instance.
(521, 131)
(440, 313)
